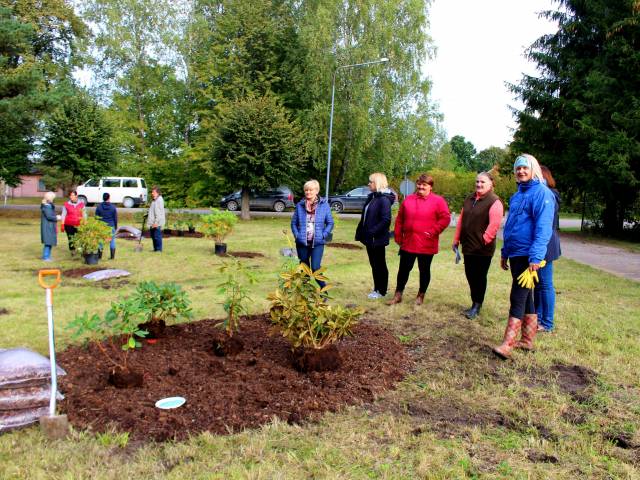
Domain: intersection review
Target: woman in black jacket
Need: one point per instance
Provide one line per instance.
(373, 231)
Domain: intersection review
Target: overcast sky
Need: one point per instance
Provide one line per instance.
(480, 46)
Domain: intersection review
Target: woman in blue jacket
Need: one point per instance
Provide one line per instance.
(373, 231)
(311, 224)
(108, 213)
(526, 234)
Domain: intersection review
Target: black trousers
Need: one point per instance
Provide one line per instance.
(476, 268)
(70, 230)
(521, 298)
(379, 270)
(406, 265)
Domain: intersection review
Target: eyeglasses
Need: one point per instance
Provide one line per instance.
(370, 181)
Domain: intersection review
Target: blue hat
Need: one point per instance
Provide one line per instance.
(522, 161)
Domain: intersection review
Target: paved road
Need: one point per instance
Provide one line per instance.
(610, 259)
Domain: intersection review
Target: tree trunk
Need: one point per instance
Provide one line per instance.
(244, 205)
(613, 218)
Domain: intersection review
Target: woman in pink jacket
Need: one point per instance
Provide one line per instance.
(423, 216)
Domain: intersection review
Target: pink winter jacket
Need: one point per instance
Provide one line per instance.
(420, 222)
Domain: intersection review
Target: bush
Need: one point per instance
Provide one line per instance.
(300, 313)
(236, 294)
(91, 234)
(218, 224)
(161, 302)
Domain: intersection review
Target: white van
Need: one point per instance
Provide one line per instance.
(129, 191)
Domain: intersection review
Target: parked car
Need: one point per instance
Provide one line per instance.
(276, 199)
(353, 200)
(129, 191)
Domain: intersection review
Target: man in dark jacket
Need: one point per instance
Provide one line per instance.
(108, 213)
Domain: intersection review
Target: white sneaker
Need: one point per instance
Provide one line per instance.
(374, 295)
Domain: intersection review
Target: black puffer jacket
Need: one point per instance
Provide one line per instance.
(373, 229)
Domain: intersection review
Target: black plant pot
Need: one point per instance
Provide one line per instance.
(181, 233)
(192, 229)
(91, 258)
(221, 249)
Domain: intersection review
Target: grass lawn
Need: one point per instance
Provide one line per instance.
(461, 413)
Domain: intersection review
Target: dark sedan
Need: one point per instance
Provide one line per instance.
(353, 200)
(276, 199)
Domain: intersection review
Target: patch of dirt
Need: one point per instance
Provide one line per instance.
(541, 457)
(80, 272)
(243, 255)
(346, 246)
(575, 380)
(225, 394)
(4, 311)
(175, 234)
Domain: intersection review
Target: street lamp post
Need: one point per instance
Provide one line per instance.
(333, 94)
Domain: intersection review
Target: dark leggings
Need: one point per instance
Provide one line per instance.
(521, 298)
(379, 268)
(476, 268)
(70, 231)
(406, 265)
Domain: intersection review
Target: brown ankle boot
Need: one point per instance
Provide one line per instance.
(420, 299)
(529, 331)
(397, 298)
(510, 336)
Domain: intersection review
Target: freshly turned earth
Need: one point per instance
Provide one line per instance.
(225, 393)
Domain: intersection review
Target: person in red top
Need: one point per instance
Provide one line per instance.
(72, 213)
(476, 229)
(423, 216)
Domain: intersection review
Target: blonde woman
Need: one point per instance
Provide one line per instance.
(48, 224)
(373, 231)
(311, 224)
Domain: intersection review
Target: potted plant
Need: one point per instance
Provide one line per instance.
(235, 304)
(300, 312)
(118, 325)
(91, 234)
(217, 225)
(159, 303)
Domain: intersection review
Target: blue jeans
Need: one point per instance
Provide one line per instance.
(112, 243)
(156, 238)
(545, 297)
(312, 256)
(46, 252)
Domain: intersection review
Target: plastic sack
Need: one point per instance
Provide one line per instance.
(21, 418)
(105, 274)
(126, 231)
(27, 397)
(20, 367)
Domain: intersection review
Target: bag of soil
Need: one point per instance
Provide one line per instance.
(21, 418)
(20, 367)
(27, 397)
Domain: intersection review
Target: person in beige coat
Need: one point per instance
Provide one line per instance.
(156, 218)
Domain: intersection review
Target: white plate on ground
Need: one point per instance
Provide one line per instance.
(170, 402)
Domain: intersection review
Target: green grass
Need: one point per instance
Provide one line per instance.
(459, 414)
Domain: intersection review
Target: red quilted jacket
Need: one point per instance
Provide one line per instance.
(420, 222)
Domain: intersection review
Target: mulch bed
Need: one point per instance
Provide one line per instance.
(225, 394)
(346, 246)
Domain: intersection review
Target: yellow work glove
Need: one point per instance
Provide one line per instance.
(527, 278)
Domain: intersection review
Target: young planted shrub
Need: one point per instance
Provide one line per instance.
(91, 233)
(235, 289)
(218, 224)
(160, 303)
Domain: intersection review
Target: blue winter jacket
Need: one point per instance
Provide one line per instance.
(108, 213)
(323, 222)
(529, 225)
(553, 249)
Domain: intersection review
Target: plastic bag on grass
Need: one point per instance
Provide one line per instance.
(20, 367)
(27, 397)
(129, 232)
(105, 274)
(21, 418)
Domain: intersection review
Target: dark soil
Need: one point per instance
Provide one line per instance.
(574, 380)
(225, 394)
(225, 346)
(4, 311)
(154, 329)
(243, 255)
(120, 378)
(346, 246)
(174, 233)
(80, 272)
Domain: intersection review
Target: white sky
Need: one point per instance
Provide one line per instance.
(480, 46)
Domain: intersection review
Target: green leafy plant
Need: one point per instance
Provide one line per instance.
(300, 313)
(236, 293)
(92, 232)
(218, 224)
(161, 302)
(118, 323)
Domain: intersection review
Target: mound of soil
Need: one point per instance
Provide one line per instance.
(175, 233)
(346, 246)
(243, 255)
(227, 393)
(80, 272)
(4, 311)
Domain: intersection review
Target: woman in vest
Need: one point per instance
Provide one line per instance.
(311, 224)
(72, 213)
(476, 230)
(373, 231)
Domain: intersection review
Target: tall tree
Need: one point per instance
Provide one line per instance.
(488, 158)
(463, 151)
(78, 140)
(581, 115)
(257, 146)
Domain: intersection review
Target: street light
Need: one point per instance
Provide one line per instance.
(333, 94)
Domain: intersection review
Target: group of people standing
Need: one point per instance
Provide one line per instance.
(74, 212)
(530, 236)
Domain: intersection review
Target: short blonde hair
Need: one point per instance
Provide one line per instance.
(312, 184)
(536, 171)
(379, 181)
(48, 197)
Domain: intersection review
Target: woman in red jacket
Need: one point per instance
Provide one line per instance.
(73, 212)
(423, 216)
